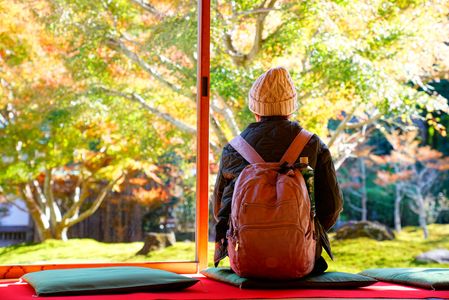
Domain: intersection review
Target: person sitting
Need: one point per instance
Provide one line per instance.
(272, 99)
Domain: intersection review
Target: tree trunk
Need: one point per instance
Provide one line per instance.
(44, 234)
(364, 194)
(41, 224)
(46, 214)
(397, 209)
(58, 233)
(423, 225)
(422, 215)
(61, 233)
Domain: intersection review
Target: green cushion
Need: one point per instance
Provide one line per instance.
(328, 280)
(105, 280)
(428, 278)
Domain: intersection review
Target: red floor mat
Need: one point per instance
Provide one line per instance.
(209, 289)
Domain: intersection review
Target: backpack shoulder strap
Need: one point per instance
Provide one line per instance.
(245, 150)
(296, 147)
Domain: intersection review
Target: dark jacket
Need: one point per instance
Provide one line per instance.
(270, 138)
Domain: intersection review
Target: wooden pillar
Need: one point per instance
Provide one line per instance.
(203, 91)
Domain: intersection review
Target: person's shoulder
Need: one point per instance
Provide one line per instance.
(228, 150)
(320, 141)
(250, 130)
(316, 139)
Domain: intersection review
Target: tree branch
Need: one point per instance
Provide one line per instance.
(341, 127)
(13, 203)
(227, 113)
(149, 8)
(351, 142)
(356, 208)
(218, 132)
(138, 99)
(34, 209)
(368, 121)
(183, 126)
(340, 160)
(73, 212)
(41, 199)
(358, 194)
(3, 121)
(241, 59)
(169, 64)
(55, 213)
(427, 179)
(120, 46)
(96, 204)
(413, 208)
(261, 10)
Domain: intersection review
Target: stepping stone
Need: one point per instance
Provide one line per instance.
(438, 255)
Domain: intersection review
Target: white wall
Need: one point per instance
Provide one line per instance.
(15, 217)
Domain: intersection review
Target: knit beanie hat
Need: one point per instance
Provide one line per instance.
(273, 94)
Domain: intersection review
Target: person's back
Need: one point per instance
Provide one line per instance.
(272, 99)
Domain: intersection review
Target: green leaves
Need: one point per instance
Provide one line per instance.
(167, 34)
(14, 52)
(123, 73)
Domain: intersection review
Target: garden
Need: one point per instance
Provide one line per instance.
(98, 120)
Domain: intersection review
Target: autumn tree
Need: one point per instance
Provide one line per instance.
(63, 148)
(353, 64)
(414, 171)
(64, 160)
(356, 65)
(354, 68)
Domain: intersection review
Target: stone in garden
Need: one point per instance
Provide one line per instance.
(157, 240)
(438, 255)
(372, 230)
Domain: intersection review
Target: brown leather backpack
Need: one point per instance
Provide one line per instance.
(271, 233)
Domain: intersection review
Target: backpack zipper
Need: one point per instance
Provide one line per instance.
(246, 204)
(238, 230)
(269, 226)
(253, 227)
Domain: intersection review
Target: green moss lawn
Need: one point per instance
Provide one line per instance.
(362, 253)
(351, 255)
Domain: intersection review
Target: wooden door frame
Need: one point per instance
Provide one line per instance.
(203, 100)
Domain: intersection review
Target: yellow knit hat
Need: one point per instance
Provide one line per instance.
(273, 94)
